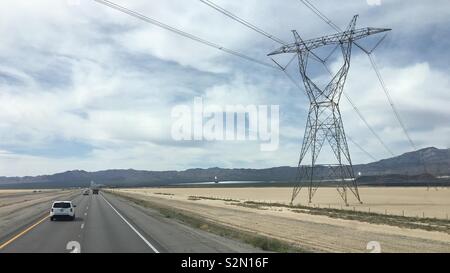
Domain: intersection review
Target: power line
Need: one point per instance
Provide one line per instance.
(251, 26)
(354, 108)
(211, 44)
(242, 21)
(361, 148)
(182, 33)
(367, 124)
(323, 62)
(374, 66)
(364, 120)
(320, 14)
(388, 96)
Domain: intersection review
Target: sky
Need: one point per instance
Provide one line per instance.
(83, 86)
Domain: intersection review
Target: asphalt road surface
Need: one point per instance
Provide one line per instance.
(107, 224)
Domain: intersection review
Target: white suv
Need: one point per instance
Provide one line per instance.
(62, 209)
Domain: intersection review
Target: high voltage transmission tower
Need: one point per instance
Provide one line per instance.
(328, 21)
(324, 122)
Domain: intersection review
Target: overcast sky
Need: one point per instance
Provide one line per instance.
(83, 86)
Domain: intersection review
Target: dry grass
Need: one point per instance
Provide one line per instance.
(322, 226)
(259, 241)
(401, 201)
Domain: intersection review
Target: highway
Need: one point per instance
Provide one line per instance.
(108, 224)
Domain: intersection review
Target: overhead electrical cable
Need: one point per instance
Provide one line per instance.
(273, 37)
(315, 10)
(182, 33)
(242, 21)
(229, 51)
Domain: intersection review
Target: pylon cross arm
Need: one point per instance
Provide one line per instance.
(345, 36)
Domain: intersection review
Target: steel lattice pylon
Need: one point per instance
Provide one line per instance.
(324, 121)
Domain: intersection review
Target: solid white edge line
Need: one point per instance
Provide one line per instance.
(137, 232)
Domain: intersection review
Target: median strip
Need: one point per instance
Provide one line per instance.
(28, 229)
(22, 233)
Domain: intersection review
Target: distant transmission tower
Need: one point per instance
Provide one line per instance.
(324, 119)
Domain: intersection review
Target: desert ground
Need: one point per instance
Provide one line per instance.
(312, 232)
(9, 197)
(415, 202)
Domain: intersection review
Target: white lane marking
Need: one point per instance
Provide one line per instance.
(85, 214)
(82, 226)
(137, 232)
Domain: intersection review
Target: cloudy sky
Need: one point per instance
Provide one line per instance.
(83, 86)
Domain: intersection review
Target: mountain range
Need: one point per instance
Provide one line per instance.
(418, 166)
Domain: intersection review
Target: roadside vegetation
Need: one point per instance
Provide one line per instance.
(195, 198)
(430, 224)
(256, 240)
(424, 223)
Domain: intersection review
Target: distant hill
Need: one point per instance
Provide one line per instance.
(400, 169)
(437, 162)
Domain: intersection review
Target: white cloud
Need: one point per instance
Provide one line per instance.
(419, 94)
(91, 75)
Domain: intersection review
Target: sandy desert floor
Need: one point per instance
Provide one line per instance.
(9, 197)
(415, 202)
(315, 232)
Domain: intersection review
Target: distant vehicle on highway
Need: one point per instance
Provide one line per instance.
(86, 192)
(62, 209)
(95, 191)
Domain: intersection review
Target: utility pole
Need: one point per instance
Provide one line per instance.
(324, 122)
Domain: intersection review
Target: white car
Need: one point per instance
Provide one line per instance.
(62, 209)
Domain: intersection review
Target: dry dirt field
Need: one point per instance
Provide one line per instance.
(9, 197)
(415, 202)
(316, 232)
